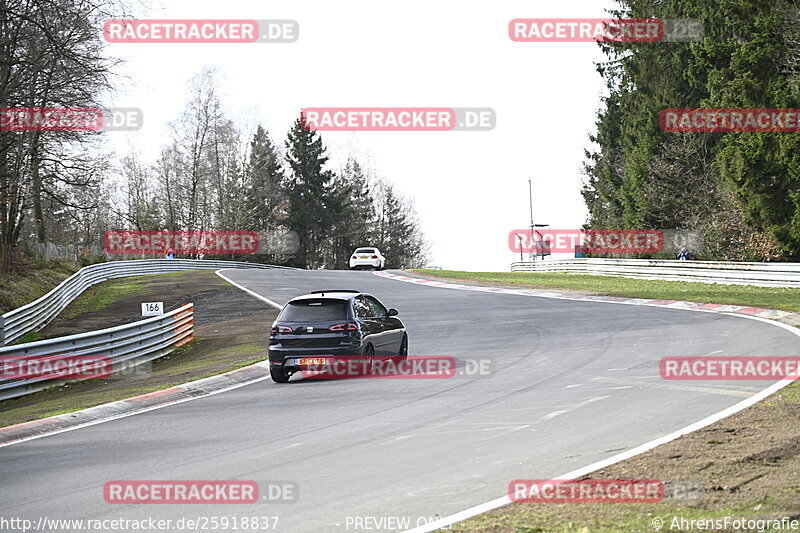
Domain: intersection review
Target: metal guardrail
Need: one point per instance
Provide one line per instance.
(37, 314)
(723, 272)
(114, 349)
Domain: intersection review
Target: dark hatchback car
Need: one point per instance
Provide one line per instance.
(316, 329)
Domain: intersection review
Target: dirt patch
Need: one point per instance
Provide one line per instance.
(745, 466)
(231, 330)
(214, 300)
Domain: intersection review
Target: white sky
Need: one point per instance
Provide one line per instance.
(470, 188)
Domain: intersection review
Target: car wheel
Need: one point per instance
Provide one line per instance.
(369, 353)
(278, 374)
(404, 347)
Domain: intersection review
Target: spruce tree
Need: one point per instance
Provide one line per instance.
(310, 193)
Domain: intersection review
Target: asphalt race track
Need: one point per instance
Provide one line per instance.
(574, 382)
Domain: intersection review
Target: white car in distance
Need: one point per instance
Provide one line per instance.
(364, 258)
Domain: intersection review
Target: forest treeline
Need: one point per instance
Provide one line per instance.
(740, 191)
(67, 188)
(211, 177)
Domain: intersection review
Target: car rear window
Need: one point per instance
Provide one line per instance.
(365, 251)
(317, 310)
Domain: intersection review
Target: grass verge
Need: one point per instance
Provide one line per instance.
(108, 293)
(744, 466)
(18, 289)
(199, 359)
(229, 327)
(786, 299)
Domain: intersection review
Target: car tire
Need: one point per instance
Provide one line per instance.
(278, 374)
(403, 348)
(369, 353)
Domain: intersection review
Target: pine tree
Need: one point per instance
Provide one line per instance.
(736, 187)
(355, 223)
(265, 183)
(310, 193)
(398, 235)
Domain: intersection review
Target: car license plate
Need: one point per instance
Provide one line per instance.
(363, 257)
(311, 361)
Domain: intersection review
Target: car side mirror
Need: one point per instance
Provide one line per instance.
(392, 312)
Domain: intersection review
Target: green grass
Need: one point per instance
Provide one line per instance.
(109, 292)
(20, 288)
(787, 299)
(598, 518)
(174, 369)
(222, 351)
(789, 395)
(31, 336)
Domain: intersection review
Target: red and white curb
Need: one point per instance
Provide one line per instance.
(672, 304)
(132, 406)
(140, 404)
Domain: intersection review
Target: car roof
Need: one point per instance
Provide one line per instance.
(329, 295)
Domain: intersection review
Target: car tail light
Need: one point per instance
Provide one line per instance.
(344, 327)
(374, 256)
(281, 329)
(354, 257)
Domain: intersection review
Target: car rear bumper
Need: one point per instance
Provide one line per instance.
(278, 356)
(355, 263)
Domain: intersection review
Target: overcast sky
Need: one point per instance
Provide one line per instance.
(470, 188)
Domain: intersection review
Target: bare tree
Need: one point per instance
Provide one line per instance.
(50, 56)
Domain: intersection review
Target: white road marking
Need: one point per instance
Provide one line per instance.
(511, 428)
(755, 398)
(139, 411)
(248, 291)
(590, 400)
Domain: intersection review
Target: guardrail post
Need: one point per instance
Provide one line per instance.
(182, 325)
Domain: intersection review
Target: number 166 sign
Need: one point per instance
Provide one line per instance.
(152, 308)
